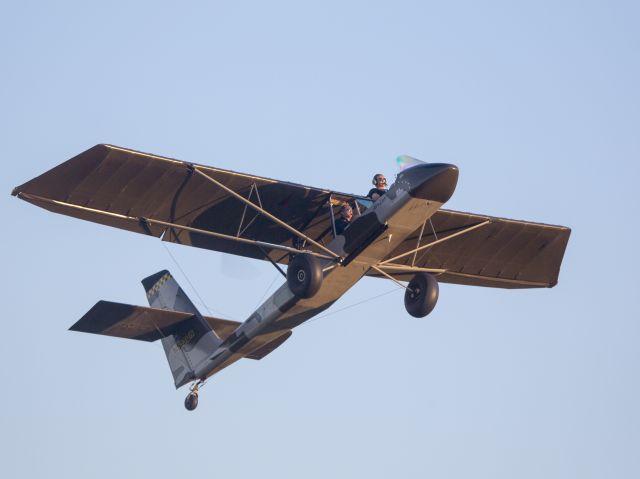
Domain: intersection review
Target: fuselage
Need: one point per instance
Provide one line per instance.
(415, 196)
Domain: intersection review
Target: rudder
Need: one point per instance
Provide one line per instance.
(191, 341)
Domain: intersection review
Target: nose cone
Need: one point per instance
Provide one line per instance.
(432, 181)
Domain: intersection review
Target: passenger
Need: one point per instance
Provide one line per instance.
(346, 213)
(380, 183)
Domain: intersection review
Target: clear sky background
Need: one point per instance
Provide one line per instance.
(536, 102)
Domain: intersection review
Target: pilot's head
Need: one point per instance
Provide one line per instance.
(379, 181)
(346, 212)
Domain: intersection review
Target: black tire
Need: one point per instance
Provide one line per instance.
(191, 401)
(422, 295)
(304, 275)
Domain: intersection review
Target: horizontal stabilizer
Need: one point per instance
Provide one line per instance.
(150, 324)
(137, 322)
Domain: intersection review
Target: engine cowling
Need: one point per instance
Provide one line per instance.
(421, 295)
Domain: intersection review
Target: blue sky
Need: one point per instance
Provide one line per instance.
(536, 102)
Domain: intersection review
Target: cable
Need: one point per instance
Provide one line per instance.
(353, 305)
(192, 286)
(265, 293)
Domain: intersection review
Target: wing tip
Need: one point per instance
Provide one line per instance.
(86, 323)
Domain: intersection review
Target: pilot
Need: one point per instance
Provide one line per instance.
(380, 183)
(346, 213)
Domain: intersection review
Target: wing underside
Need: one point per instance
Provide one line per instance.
(159, 196)
(481, 250)
(163, 197)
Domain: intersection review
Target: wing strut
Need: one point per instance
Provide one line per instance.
(400, 268)
(333, 217)
(143, 221)
(389, 276)
(415, 251)
(433, 243)
(265, 212)
(244, 212)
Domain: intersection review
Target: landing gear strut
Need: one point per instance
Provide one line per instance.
(191, 401)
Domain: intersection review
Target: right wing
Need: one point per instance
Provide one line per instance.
(130, 190)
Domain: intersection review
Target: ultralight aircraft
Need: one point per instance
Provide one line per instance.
(404, 236)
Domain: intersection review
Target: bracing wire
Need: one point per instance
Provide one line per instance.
(269, 288)
(210, 310)
(267, 291)
(354, 305)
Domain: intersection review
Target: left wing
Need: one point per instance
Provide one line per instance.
(168, 198)
(479, 250)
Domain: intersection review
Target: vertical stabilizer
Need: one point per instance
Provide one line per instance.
(191, 341)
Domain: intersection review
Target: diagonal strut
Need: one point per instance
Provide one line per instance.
(433, 243)
(266, 213)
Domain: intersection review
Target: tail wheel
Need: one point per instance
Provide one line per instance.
(421, 295)
(191, 401)
(304, 275)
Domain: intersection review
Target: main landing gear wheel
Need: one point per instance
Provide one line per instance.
(191, 401)
(421, 295)
(304, 275)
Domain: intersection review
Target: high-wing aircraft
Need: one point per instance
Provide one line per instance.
(404, 236)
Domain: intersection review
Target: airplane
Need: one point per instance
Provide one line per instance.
(404, 236)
